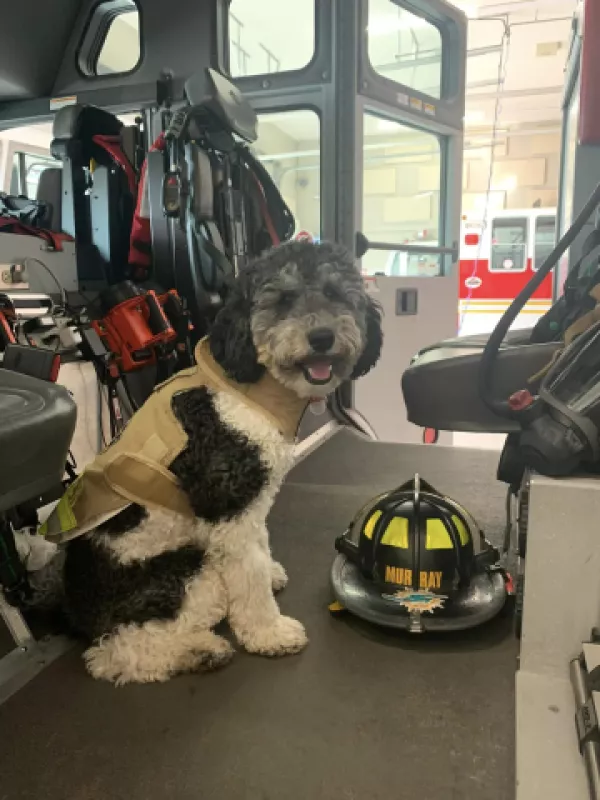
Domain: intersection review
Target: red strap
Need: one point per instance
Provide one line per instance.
(141, 236)
(112, 145)
(55, 240)
(265, 211)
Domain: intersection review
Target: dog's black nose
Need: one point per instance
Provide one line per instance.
(321, 339)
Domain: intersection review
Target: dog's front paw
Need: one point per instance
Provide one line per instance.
(218, 655)
(284, 637)
(279, 578)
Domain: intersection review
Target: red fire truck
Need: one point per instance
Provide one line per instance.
(498, 259)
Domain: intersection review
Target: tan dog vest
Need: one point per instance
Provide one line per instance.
(135, 467)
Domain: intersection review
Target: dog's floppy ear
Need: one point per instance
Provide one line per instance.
(373, 340)
(230, 337)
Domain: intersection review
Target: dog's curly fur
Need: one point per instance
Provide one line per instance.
(147, 588)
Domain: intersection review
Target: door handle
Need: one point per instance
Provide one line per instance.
(407, 302)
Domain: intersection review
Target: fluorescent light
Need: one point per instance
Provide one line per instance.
(507, 184)
(467, 8)
(387, 125)
(473, 117)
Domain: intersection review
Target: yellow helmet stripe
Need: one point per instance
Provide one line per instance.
(396, 534)
(438, 538)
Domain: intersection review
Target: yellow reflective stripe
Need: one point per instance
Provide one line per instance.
(438, 538)
(396, 534)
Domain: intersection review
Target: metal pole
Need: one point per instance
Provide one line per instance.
(414, 249)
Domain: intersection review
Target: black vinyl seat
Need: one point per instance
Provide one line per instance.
(440, 387)
(87, 139)
(37, 422)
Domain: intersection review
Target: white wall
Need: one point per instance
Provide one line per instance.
(526, 170)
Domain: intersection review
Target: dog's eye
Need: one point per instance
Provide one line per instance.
(286, 299)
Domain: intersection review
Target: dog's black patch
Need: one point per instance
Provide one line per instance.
(124, 521)
(231, 340)
(100, 593)
(373, 340)
(220, 470)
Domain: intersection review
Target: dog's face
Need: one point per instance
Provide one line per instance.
(301, 312)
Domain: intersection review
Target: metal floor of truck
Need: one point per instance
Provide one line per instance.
(360, 714)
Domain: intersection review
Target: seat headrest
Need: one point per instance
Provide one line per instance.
(78, 124)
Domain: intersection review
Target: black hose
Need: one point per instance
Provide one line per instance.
(490, 353)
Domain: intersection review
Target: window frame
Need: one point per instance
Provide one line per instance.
(95, 33)
(524, 244)
(536, 220)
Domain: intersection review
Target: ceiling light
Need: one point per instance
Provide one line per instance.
(472, 117)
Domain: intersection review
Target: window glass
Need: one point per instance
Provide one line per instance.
(34, 166)
(120, 51)
(402, 176)
(26, 171)
(509, 245)
(270, 36)
(545, 240)
(14, 180)
(405, 48)
(289, 146)
(397, 264)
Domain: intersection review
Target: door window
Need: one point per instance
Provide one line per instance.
(289, 147)
(405, 48)
(270, 36)
(402, 178)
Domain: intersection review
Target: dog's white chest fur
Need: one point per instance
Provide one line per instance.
(276, 453)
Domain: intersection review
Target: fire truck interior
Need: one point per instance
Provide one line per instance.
(151, 199)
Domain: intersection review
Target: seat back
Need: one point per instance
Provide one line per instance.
(49, 192)
(88, 141)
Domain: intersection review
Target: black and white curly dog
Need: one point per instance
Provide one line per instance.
(147, 588)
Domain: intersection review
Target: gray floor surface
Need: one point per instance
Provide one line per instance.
(360, 714)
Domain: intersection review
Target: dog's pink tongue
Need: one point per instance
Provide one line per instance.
(319, 370)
